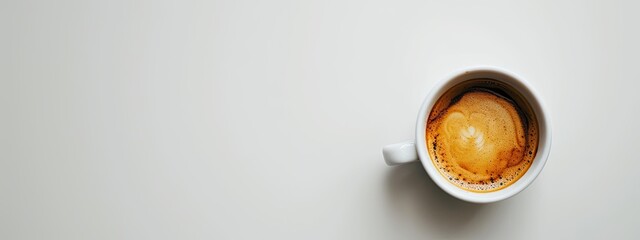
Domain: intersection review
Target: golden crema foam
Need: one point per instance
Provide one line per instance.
(482, 135)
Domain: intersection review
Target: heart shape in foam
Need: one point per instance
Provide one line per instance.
(484, 135)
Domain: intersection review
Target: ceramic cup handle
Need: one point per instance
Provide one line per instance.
(400, 153)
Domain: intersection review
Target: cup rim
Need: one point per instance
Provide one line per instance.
(532, 97)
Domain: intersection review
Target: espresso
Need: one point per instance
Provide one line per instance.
(482, 135)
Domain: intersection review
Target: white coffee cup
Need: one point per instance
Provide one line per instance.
(414, 150)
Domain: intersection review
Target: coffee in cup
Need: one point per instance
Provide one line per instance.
(482, 135)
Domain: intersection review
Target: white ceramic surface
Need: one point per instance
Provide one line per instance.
(402, 153)
(248, 119)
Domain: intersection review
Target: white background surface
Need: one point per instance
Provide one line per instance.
(265, 119)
